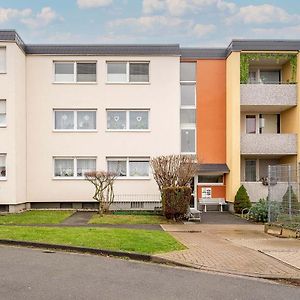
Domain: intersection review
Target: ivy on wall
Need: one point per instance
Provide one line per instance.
(246, 58)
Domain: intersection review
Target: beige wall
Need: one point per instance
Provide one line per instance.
(161, 96)
(233, 131)
(13, 137)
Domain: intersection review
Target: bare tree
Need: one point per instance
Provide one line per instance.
(104, 192)
(173, 170)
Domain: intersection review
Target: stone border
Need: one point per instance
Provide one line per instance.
(280, 231)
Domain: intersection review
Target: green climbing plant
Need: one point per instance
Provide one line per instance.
(246, 58)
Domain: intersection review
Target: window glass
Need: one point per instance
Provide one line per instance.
(2, 165)
(2, 60)
(187, 116)
(86, 120)
(251, 124)
(250, 170)
(64, 72)
(85, 165)
(188, 96)
(269, 123)
(117, 166)
(64, 120)
(187, 71)
(116, 71)
(116, 120)
(2, 112)
(270, 76)
(138, 120)
(210, 179)
(188, 140)
(139, 168)
(63, 167)
(139, 72)
(86, 72)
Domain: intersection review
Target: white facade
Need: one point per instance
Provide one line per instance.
(30, 141)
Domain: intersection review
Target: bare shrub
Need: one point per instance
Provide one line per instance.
(104, 193)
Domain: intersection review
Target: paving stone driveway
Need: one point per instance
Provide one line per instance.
(237, 249)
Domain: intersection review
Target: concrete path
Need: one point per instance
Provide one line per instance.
(78, 218)
(235, 248)
(35, 274)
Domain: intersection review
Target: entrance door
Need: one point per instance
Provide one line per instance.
(193, 185)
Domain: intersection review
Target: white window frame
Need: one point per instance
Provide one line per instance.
(74, 158)
(5, 114)
(210, 184)
(127, 111)
(127, 72)
(187, 127)
(75, 71)
(257, 121)
(75, 111)
(4, 178)
(256, 169)
(128, 159)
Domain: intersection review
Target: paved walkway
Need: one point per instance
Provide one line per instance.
(78, 218)
(235, 248)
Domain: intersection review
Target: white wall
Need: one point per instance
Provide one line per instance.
(161, 96)
(13, 137)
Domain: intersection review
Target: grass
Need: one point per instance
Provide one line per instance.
(130, 240)
(35, 217)
(129, 219)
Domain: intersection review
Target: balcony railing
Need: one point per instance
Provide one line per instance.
(269, 94)
(269, 143)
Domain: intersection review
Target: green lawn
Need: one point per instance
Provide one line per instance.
(35, 217)
(129, 219)
(131, 240)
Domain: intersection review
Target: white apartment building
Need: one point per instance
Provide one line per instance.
(65, 110)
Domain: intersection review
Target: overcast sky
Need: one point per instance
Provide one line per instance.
(201, 23)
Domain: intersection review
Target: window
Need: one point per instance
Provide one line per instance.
(75, 120)
(250, 124)
(188, 94)
(188, 140)
(250, 170)
(2, 113)
(75, 72)
(119, 72)
(188, 107)
(73, 167)
(2, 60)
(210, 179)
(129, 167)
(2, 166)
(127, 119)
(270, 76)
(187, 71)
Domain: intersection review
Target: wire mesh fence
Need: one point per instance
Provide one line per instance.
(283, 195)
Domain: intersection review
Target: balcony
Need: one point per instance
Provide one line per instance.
(280, 96)
(272, 143)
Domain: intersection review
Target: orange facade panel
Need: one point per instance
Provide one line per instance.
(211, 111)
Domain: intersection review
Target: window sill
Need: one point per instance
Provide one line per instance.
(74, 131)
(3, 126)
(127, 130)
(210, 184)
(3, 73)
(75, 83)
(68, 178)
(133, 178)
(127, 83)
(3, 178)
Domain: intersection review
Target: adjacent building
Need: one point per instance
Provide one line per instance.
(68, 109)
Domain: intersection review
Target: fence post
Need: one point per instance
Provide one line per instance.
(290, 191)
(269, 193)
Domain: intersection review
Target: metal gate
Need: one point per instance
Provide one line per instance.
(283, 194)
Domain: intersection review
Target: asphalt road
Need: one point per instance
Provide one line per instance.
(34, 274)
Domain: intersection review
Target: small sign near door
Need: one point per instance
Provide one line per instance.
(206, 192)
